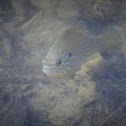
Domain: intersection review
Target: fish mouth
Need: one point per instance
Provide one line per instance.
(46, 69)
(48, 66)
(49, 71)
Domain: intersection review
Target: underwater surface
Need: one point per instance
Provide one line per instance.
(95, 95)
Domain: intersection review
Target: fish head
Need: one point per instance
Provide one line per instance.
(58, 62)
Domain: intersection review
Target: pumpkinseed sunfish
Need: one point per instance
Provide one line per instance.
(74, 47)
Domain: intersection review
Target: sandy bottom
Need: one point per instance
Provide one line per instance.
(28, 97)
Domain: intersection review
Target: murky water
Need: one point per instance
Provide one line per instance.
(95, 96)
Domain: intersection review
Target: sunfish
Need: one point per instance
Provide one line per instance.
(74, 47)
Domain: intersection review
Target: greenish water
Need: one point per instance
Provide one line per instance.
(94, 96)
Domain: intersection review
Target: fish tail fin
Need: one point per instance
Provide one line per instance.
(113, 37)
(81, 26)
(81, 23)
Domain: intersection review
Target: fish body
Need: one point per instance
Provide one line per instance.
(73, 48)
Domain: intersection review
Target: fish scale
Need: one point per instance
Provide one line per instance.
(80, 45)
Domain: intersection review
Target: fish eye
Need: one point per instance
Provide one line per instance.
(69, 54)
(58, 62)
